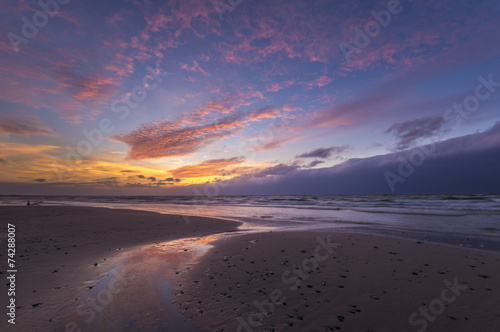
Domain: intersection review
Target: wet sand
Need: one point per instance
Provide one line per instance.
(63, 252)
(89, 269)
(289, 281)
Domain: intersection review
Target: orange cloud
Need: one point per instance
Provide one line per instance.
(192, 132)
(214, 167)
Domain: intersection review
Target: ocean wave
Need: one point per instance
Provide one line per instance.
(415, 212)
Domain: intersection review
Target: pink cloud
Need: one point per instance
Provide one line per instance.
(279, 35)
(189, 133)
(274, 143)
(211, 167)
(158, 22)
(122, 65)
(194, 68)
(319, 82)
(273, 87)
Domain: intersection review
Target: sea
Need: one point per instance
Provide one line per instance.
(465, 220)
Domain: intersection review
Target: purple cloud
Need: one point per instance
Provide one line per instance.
(315, 163)
(323, 153)
(408, 132)
(24, 125)
(448, 166)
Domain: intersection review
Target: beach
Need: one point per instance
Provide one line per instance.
(96, 269)
(62, 251)
(317, 281)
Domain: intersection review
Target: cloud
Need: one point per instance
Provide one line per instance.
(278, 170)
(408, 132)
(368, 105)
(273, 144)
(39, 180)
(206, 168)
(24, 125)
(444, 43)
(172, 180)
(140, 176)
(458, 165)
(463, 164)
(145, 185)
(64, 82)
(152, 179)
(190, 133)
(315, 163)
(194, 68)
(324, 153)
(279, 36)
(3, 161)
(319, 82)
(273, 87)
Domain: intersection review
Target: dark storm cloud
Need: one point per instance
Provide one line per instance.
(324, 153)
(408, 132)
(315, 163)
(463, 164)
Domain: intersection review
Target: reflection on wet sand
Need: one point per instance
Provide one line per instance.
(136, 295)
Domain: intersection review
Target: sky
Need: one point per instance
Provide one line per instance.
(209, 97)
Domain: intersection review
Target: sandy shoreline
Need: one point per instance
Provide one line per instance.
(354, 282)
(304, 282)
(58, 247)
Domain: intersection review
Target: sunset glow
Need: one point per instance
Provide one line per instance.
(138, 97)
